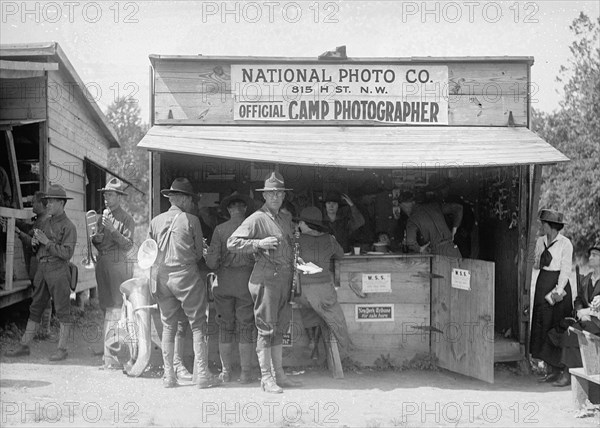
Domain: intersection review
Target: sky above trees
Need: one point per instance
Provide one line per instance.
(109, 42)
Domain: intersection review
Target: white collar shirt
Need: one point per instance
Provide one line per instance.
(561, 250)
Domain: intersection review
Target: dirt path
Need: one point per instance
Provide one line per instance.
(35, 392)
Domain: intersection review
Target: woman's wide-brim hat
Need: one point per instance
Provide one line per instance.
(333, 196)
(313, 217)
(273, 182)
(180, 186)
(114, 185)
(552, 216)
(56, 191)
(234, 197)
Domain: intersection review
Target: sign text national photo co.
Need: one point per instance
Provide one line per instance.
(398, 94)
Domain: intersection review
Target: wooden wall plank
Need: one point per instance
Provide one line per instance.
(487, 78)
(487, 111)
(23, 98)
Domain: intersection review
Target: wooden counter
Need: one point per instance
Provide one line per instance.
(392, 321)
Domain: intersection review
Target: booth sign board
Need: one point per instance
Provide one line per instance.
(461, 279)
(402, 94)
(374, 312)
(376, 283)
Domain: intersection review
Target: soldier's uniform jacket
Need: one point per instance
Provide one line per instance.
(63, 237)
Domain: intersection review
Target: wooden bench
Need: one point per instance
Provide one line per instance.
(585, 381)
(584, 386)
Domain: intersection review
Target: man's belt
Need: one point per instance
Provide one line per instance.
(50, 259)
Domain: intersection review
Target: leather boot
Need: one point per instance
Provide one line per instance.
(202, 375)
(225, 351)
(246, 354)
(181, 371)
(63, 339)
(267, 382)
(280, 376)
(563, 380)
(552, 375)
(44, 329)
(26, 339)
(169, 379)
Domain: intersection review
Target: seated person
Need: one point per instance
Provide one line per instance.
(587, 319)
(318, 246)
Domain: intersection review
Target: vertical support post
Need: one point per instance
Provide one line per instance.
(523, 226)
(12, 158)
(535, 184)
(155, 169)
(10, 253)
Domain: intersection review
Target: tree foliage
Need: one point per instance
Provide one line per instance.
(131, 162)
(574, 187)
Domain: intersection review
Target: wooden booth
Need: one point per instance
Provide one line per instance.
(52, 131)
(373, 128)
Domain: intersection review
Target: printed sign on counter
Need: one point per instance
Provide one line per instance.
(374, 312)
(376, 283)
(461, 279)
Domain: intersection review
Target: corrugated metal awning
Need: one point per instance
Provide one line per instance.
(358, 147)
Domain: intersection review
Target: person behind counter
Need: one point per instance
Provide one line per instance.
(233, 302)
(267, 234)
(427, 220)
(552, 300)
(342, 221)
(318, 293)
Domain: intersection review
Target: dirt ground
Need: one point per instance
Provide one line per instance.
(76, 392)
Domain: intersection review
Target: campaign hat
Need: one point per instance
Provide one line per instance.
(552, 216)
(55, 191)
(273, 182)
(114, 185)
(313, 217)
(180, 186)
(234, 197)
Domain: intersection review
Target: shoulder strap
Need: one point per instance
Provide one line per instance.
(162, 246)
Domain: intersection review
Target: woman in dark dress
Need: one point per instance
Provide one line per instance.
(552, 301)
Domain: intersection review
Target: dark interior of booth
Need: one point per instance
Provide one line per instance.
(489, 196)
(28, 167)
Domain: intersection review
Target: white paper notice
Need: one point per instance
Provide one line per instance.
(376, 283)
(461, 279)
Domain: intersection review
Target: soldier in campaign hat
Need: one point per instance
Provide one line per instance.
(54, 244)
(267, 234)
(233, 302)
(179, 285)
(113, 240)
